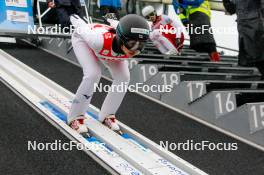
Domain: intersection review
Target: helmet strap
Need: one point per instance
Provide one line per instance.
(117, 46)
(135, 47)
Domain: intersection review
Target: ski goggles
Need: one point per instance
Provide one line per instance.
(148, 17)
(134, 45)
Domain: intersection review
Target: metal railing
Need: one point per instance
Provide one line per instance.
(41, 15)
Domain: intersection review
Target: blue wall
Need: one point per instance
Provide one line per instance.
(11, 26)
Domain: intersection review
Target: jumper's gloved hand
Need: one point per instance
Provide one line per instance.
(179, 44)
(111, 19)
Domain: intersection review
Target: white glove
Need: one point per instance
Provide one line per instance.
(113, 22)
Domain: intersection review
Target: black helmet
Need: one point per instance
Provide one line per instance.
(133, 32)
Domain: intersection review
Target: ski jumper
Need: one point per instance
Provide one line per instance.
(92, 44)
(165, 33)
